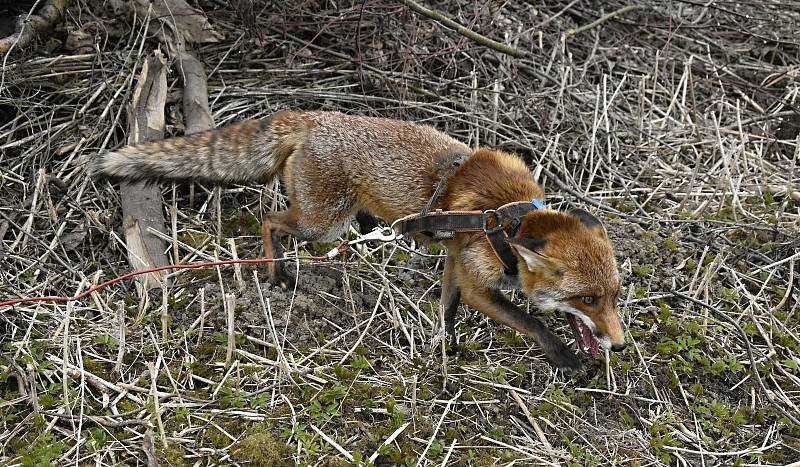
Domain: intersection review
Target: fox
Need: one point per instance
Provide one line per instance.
(335, 167)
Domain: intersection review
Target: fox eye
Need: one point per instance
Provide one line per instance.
(588, 299)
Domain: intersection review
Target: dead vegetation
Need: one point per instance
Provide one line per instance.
(677, 121)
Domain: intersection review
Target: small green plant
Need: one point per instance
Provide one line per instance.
(231, 396)
(326, 405)
(511, 338)
(360, 362)
(98, 438)
(436, 449)
(105, 340)
(497, 432)
(670, 244)
(308, 441)
(43, 452)
(182, 414)
(661, 436)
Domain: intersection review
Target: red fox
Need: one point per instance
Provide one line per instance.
(334, 166)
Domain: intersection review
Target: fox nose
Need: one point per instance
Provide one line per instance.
(618, 347)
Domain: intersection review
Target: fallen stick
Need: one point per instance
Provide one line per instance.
(464, 31)
(28, 25)
(601, 20)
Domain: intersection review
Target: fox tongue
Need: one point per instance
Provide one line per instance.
(583, 336)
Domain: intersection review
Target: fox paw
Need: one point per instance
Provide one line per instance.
(567, 362)
(560, 354)
(283, 280)
(287, 282)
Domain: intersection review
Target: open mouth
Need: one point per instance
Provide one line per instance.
(583, 336)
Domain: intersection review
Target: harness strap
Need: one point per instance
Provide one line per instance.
(497, 225)
(503, 252)
(453, 161)
(440, 224)
(508, 219)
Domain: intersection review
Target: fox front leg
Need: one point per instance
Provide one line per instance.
(495, 305)
(451, 296)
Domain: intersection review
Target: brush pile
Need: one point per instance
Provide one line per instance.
(678, 123)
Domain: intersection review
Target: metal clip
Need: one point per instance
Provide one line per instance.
(382, 234)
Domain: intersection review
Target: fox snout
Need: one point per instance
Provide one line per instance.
(595, 329)
(608, 328)
(617, 337)
(615, 343)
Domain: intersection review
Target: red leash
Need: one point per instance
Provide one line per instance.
(203, 264)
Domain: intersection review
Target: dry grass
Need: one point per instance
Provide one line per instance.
(679, 120)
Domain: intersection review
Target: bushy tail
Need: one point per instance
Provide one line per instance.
(250, 151)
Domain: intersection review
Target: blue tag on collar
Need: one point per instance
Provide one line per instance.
(537, 203)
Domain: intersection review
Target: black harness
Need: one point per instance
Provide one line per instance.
(496, 224)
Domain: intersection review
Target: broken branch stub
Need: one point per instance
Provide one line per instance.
(195, 94)
(141, 203)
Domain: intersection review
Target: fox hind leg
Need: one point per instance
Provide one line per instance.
(320, 208)
(277, 225)
(274, 227)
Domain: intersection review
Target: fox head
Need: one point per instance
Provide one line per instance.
(566, 263)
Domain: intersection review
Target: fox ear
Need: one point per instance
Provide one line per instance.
(528, 249)
(588, 220)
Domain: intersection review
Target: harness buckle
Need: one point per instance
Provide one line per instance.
(486, 215)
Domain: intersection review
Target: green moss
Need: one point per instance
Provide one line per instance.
(262, 446)
(731, 295)
(671, 244)
(401, 257)
(194, 239)
(43, 451)
(622, 206)
(173, 455)
(244, 223)
(201, 274)
(336, 462)
(724, 213)
(642, 270)
(425, 393)
(101, 369)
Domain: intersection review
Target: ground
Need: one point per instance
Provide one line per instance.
(674, 122)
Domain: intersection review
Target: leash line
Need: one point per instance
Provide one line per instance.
(62, 299)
